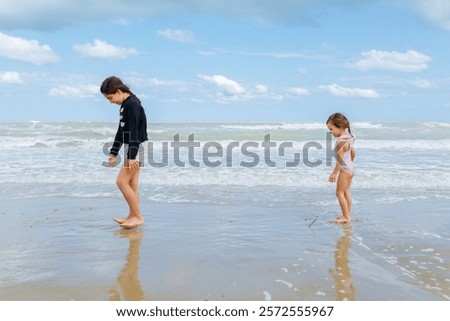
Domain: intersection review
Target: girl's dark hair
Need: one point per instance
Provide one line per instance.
(112, 84)
(340, 121)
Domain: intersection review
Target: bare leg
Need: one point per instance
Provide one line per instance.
(127, 181)
(134, 186)
(348, 196)
(343, 195)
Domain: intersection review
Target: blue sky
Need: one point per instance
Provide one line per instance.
(235, 60)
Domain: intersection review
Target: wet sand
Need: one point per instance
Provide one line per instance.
(70, 249)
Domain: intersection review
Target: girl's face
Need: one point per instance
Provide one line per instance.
(335, 131)
(116, 98)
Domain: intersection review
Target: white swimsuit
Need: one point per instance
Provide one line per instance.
(347, 163)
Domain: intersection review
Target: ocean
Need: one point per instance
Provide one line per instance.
(225, 160)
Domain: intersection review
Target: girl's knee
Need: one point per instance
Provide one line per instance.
(134, 186)
(120, 181)
(340, 194)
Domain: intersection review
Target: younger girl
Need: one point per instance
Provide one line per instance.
(339, 127)
(132, 131)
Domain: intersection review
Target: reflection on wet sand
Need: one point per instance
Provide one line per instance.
(341, 273)
(128, 286)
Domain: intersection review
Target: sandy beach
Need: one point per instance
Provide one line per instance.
(60, 248)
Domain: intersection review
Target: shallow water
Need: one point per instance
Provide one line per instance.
(69, 249)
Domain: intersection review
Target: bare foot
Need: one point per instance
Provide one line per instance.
(132, 223)
(120, 220)
(342, 220)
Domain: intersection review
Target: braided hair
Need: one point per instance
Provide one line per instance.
(340, 121)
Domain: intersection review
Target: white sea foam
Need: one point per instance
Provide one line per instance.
(296, 126)
(366, 125)
(289, 285)
(39, 167)
(437, 125)
(277, 126)
(404, 144)
(428, 234)
(72, 154)
(267, 296)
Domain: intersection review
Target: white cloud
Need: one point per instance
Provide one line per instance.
(122, 21)
(102, 49)
(262, 92)
(227, 90)
(436, 12)
(336, 90)
(183, 36)
(261, 89)
(271, 54)
(225, 85)
(26, 50)
(55, 14)
(392, 60)
(135, 79)
(298, 91)
(423, 84)
(197, 100)
(10, 77)
(207, 53)
(83, 91)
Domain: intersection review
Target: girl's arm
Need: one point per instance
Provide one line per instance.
(118, 141)
(133, 128)
(339, 159)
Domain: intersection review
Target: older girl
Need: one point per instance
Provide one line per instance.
(132, 131)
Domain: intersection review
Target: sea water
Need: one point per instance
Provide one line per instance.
(224, 162)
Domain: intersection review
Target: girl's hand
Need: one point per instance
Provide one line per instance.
(112, 160)
(133, 164)
(332, 177)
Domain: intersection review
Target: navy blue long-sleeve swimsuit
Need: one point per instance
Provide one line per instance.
(132, 127)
